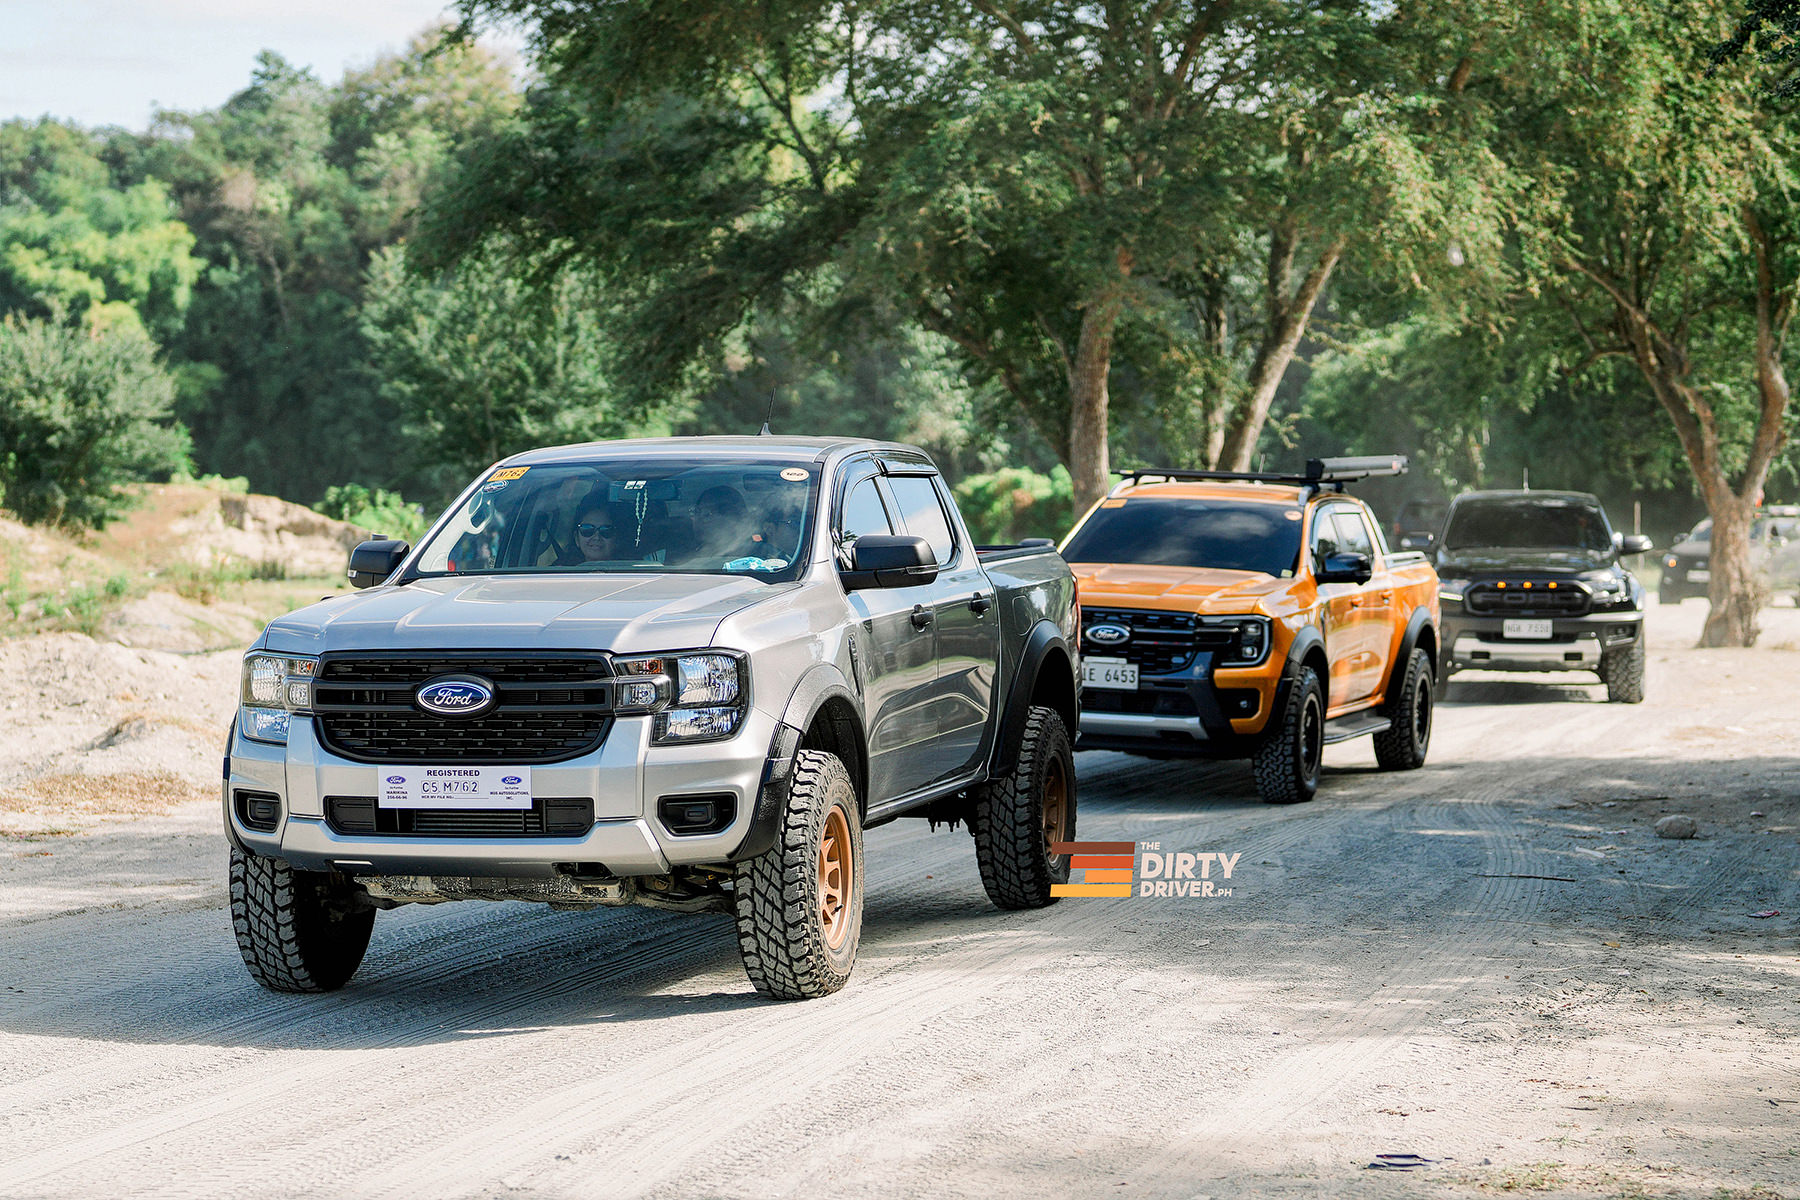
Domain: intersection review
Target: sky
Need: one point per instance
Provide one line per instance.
(111, 62)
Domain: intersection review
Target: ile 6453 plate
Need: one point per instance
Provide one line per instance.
(1114, 673)
(455, 787)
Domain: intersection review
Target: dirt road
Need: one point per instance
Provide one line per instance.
(1492, 963)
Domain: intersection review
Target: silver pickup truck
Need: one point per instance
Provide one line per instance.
(685, 673)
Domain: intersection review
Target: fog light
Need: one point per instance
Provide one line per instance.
(688, 816)
(260, 811)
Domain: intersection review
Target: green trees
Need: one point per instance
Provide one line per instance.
(1039, 184)
(82, 412)
(479, 366)
(72, 244)
(291, 188)
(1659, 233)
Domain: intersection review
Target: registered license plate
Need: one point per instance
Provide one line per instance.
(1109, 673)
(1700, 576)
(455, 787)
(1515, 628)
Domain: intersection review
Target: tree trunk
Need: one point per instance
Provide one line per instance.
(1736, 592)
(1288, 314)
(1090, 469)
(1089, 465)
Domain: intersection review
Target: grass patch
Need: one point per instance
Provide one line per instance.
(78, 608)
(126, 794)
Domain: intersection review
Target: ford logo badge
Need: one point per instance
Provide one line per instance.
(455, 696)
(396, 779)
(509, 780)
(1108, 635)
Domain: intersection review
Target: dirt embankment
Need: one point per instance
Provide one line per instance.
(120, 649)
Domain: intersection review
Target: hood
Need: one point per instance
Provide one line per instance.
(1201, 590)
(1452, 563)
(624, 613)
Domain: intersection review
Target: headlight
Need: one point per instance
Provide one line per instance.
(274, 687)
(1249, 642)
(695, 697)
(1452, 590)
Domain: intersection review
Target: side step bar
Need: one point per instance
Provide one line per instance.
(1354, 725)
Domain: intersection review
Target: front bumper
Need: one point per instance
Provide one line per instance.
(1575, 643)
(1196, 712)
(625, 777)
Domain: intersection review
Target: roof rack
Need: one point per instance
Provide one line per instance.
(1319, 471)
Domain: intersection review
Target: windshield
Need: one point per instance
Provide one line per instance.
(1170, 532)
(653, 514)
(1529, 524)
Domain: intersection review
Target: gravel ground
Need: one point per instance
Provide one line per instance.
(1492, 963)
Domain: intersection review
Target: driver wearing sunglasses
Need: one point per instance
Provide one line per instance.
(597, 536)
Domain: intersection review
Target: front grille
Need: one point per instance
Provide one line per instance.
(1161, 642)
(547, 708)
(556, 817)
(1515, 599)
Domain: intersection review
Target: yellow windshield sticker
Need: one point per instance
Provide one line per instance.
(507, 473)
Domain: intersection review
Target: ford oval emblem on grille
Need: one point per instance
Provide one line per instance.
(1108, 635)
(455, 695)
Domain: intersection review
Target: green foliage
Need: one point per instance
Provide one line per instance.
(480, 367)
(82, 413)
(1006, 178)
(381, 512)
(291, 188)
(71, 243)
(1014, 503)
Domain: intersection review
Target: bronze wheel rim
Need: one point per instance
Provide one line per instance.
(1056, 806)
(837, 879)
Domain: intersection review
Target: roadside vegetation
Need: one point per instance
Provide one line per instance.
(1552, 241)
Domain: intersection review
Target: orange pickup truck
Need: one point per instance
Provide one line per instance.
(1237, 615)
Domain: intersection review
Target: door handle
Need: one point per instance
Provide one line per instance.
(980, 602)
(1356, 602)
(921, 616)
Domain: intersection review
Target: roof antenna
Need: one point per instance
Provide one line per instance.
(765, 431)
(1527, 479)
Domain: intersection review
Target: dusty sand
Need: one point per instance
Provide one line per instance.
(1492, 963)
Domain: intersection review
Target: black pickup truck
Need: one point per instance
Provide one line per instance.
(1533, 581)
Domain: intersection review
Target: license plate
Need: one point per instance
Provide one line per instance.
(1113, 673)
(1514, 628)
(1700, 576)
(455, 787)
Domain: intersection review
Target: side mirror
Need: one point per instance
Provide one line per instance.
(889, 560)
(1423, 540)
(1634, 543)
(1345, 568)
(372, 562)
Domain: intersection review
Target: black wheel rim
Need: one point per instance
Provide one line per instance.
(1312, 735)
(1422, 714)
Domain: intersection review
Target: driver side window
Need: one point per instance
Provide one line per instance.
(862, 512)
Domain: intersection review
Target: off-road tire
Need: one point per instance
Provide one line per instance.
(1402, 745)
(1622, 671)
(1287, 763)
(783, 936)
(1014, 819)
(299, 931)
